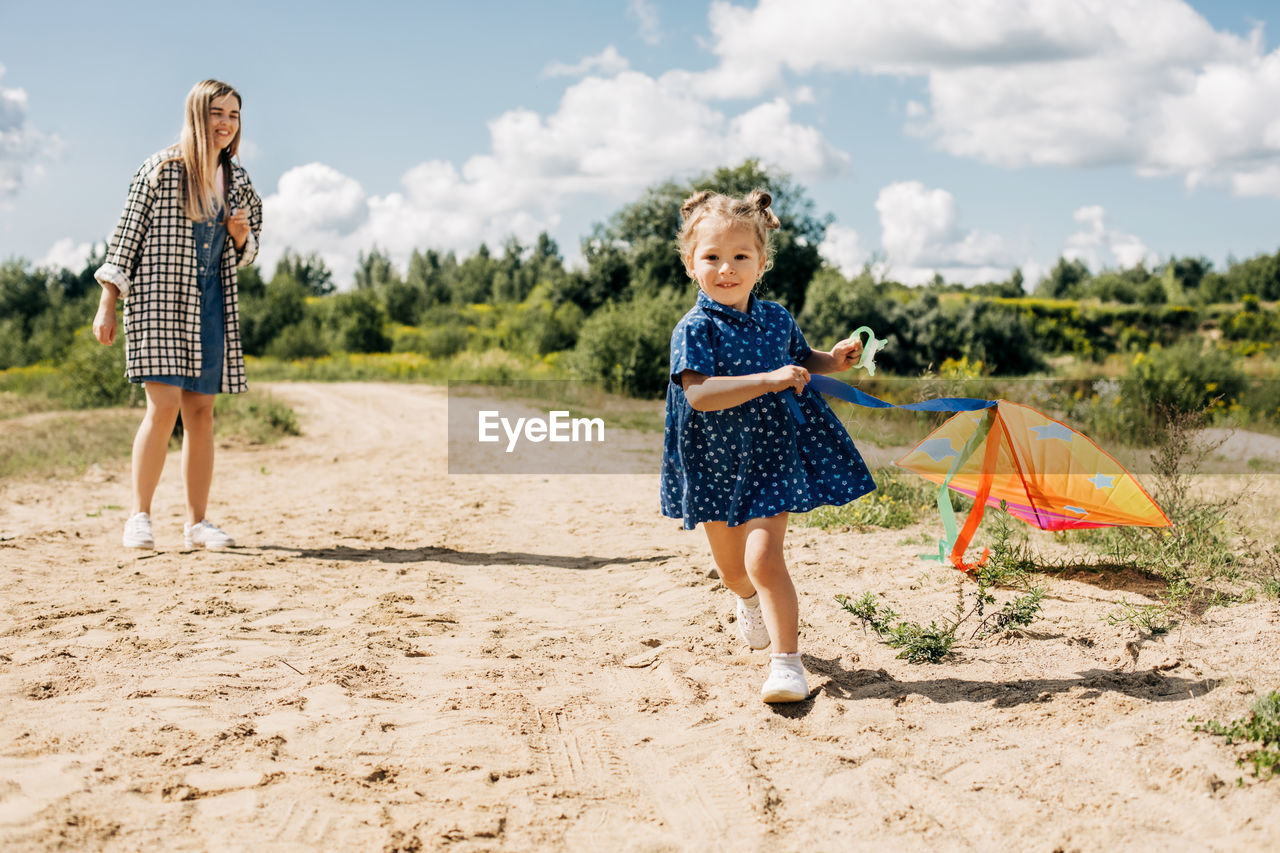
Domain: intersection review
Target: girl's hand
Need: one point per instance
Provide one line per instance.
(792, 376)
(238, 227)
(847, 353)
(104, 322)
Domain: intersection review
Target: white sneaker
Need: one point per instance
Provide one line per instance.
(785, 683)
(206, 534)
(751, 625)
(137, 532)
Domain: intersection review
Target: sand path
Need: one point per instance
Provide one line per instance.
(398, 659)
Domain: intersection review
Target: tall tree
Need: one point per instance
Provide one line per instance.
(644, 233)
(310, 272)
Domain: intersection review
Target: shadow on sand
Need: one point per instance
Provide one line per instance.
(1150, 685)
(462, 558)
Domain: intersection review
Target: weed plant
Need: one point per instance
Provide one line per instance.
(1008, 566)
(1194, 558)
(1261, 726)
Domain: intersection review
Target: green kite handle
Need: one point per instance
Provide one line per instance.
(870, 347)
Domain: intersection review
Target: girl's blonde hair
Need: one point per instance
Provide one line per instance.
(200, 165)
(751, 210)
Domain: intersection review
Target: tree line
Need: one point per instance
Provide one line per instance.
(613, 316)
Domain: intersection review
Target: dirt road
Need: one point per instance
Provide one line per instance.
(398, 659)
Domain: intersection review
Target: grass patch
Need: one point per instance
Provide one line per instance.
(256, 417)
(15, 405)
(1261, 727)
(900, 500)
(492, 365)
(65, 443)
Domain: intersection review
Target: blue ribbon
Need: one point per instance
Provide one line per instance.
(841, 391)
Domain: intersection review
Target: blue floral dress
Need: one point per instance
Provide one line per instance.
(753, 460)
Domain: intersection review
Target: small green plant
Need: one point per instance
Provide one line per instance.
(1151, 618)
(930, 644)
(918, 644)
(1261, 726)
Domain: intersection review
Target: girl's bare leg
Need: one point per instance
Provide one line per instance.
(768, 572)
(728, 549)
(750, 560)
(152, 442)
(197, 452)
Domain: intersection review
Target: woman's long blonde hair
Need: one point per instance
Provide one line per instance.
(201, 195)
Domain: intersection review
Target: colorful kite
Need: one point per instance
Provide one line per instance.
(999, 452)
(1042, 471)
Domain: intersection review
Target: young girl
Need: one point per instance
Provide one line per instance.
(191, 219)
(735, 459)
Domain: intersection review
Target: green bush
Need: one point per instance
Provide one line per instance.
(435, 342)
(360, 318)
(1182, 379)
(93, 374)
(626, 346)
(299, 340)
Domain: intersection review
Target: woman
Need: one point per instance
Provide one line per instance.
(191, 219)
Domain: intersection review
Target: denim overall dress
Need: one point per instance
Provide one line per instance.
(210, 237)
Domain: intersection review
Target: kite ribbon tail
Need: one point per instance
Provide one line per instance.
(971, 523)
(945, 509)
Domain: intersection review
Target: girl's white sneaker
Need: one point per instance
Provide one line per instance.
(137, 532)
(786, 680)
(205, 534)
(751, 625)
(784, 685)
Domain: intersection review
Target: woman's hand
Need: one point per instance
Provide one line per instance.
(104, 322)
(238, 227)
(847, 353)
(792, 376)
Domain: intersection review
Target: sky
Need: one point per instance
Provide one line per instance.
(959, 137)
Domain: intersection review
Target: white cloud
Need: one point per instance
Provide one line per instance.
(645, 14)
(1099, 246)
(21, 145)
(1147, 83)
(537, 164)
(315, 209)
(921, 236)
(66, 254)
(607, 62)
(842, 249)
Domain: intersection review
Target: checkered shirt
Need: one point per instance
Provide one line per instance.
(151, 259)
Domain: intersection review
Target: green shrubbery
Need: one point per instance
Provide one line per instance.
(626, 346)
(93, 374)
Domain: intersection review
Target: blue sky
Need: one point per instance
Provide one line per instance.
(960, 137)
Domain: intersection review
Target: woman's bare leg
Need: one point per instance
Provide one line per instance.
(197, 452)
(151, 444)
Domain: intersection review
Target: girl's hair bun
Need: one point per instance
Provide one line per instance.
(761, 201)
(693, 202)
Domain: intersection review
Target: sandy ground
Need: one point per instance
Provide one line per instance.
(398, 659)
